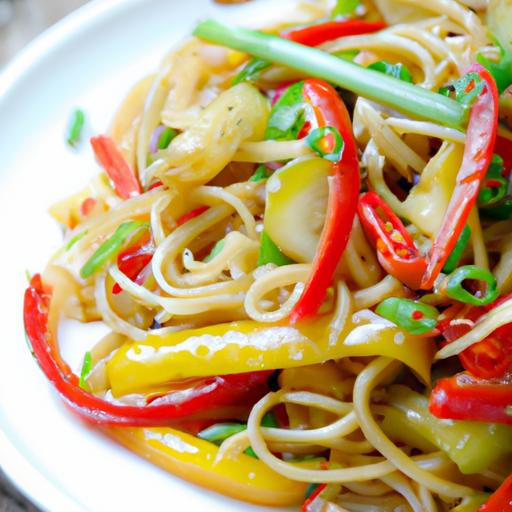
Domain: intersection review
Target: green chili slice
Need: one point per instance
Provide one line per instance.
(455, 290)
(270, 253)
(494, 187)
(456, 254)
(86, 369)
(326, 142)
(398, 70)
(75, 127)
(109, 249)
(412, 316)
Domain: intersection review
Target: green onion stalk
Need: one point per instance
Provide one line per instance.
(405, 97)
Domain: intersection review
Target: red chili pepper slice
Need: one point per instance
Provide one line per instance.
(396, 250)
(480, 139)
(133, 260)
(314, 35)
(490, 358)
(191, 214)
(208, 394)
(501, 499)
(314, 495)
(464, 397)
(117, 168)
(342, 202)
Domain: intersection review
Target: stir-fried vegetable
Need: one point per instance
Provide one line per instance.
(473, 446)
(117, 168)
(395, 70)
(389, 91)
(458, 250)
(247, 346)
(206, 394)
(478, 152)
(454, 285)
(501, 500)
(396, 250)
(413, 316)
(270, 253)
(75, 127)
(464, 397)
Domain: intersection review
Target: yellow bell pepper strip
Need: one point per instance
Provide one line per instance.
(241, 477)
(205, 395)
(501, 500)
(472, 445)
(246, 346)
(480, 139)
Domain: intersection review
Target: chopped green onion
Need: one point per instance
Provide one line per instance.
(86, 369)
(262, 172)
(270, 253)
(345, 8)
(494, 187)
(166, 137)
(28, 275)
(456, 254)
(221, 431)
(287, 116)
(455, 290)
(395, 70)
(219, 245)
(318, 141)
(412, 316)
(407, 98)
(501, 70)
(75, 239)
(251, 71)
(111, 247)
(75, 127)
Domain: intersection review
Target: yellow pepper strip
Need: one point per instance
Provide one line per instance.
(241, 477)
(246, 346)
(427, 202)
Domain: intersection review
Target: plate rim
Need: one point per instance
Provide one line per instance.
(16, 465)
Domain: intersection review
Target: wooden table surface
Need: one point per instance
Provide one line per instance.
(20, 22)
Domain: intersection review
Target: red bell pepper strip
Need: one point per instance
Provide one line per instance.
(480, 139)
(306, 506)
(501, 499)
(117, 168)
(314, 35)
(464, 397)
(208, 394)
(344, 188)
(490, 358)
(133, 260)
(396, 250)
(191, 214)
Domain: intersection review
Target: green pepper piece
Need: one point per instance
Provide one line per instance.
(398, 70)
(270, 253)
(262, 172)
(472, 445)
(412, 316)
(288, 115)
(251, 71)
(221, 431)
(166, 137)
(494, 187)
(455, 290)
(456, 254)
(111, 247)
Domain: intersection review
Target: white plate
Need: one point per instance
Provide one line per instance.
(89, 60)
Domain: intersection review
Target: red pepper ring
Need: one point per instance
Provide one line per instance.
(396, 250)
(210, 393)
(501, 499)
(478, 151)
(464, 397)
(344, 185)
